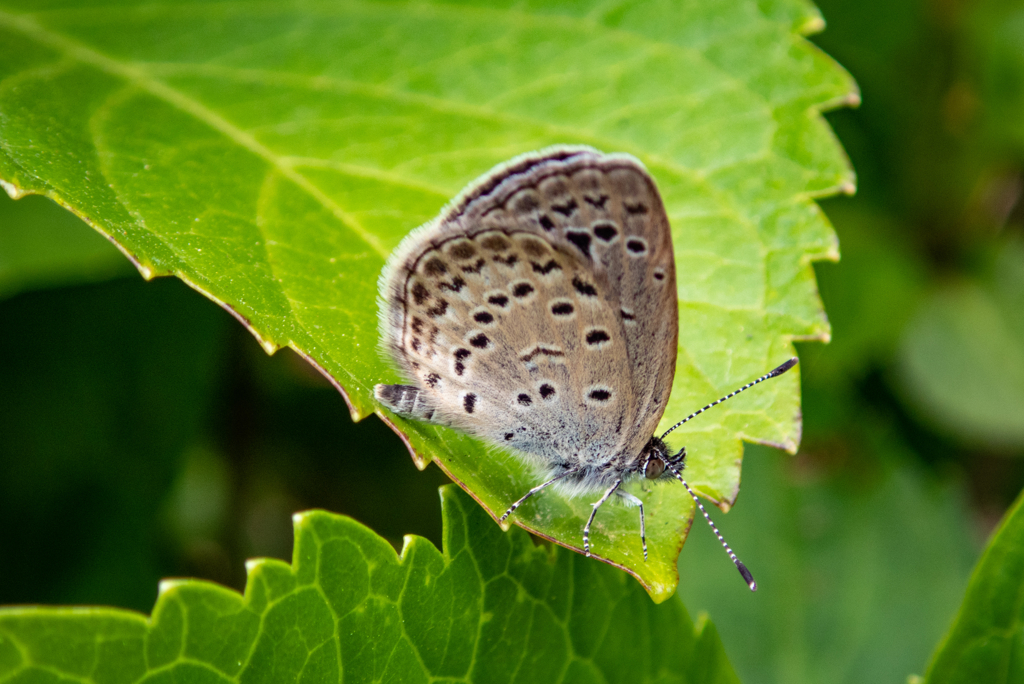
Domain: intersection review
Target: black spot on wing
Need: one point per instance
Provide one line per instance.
(521, 290)
(562, 308)
(477, 266)
(438, 309)
(534, 248)
(636, 246)
(524, 201)
(580, 239)
(541, 350)
(435, 267)
(565, 209)
(583, 287)
(463, 251)
(605, 231)
(420, 293)
(457, 284)
(544, 269)
(495, 243)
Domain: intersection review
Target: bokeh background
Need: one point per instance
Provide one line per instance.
(144, 434)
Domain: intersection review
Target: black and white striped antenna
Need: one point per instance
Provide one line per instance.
(775, 373)
(747, 577)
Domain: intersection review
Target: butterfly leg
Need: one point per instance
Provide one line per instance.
(586, 528)
(517, 504)
(633, 501)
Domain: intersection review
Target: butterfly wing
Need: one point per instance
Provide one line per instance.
(539, 310)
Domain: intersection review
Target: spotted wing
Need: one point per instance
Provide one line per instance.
(539, 310)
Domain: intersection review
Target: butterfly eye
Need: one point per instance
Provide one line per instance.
(654, 468)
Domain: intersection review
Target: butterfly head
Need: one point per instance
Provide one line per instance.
(655, 458)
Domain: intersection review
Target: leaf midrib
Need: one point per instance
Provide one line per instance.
(142, 76)
(437, 104)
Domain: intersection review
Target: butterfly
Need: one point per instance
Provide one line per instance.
(539, 312)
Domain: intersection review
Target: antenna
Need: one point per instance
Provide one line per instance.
(747, 577)
(778, 371)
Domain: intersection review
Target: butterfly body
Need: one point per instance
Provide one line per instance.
(538, 311)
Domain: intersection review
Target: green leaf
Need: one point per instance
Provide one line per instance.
(271, 156)
(493, 607)
(859, 569)
(984, 644)
(962, 357)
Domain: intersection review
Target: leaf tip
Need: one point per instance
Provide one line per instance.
(407, 541)
(420, 461)
(166, 586)
(12, 191)
(660, 591)
(812, 25)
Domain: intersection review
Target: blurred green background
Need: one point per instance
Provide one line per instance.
(143, 412)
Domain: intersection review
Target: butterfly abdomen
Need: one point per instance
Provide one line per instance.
(590, 478)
